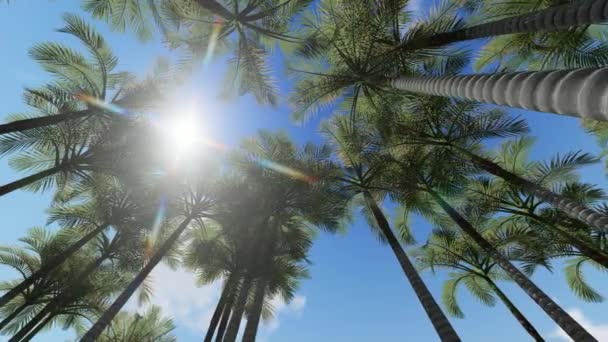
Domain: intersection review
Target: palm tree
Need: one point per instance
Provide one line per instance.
(353, 59)
(100, 204)
(147, 326)
(424, 177)
(579, 14)
(470, 267)
(200, 28)
(85, 90)
(192, 201)
(363, 168)
(494, 195)
(537, 49)
(461, 126)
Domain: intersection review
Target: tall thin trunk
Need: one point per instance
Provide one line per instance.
(14, 314)
(107, 317)
(226, 313)
(37, 330)
(571, 208)
(554, 18)
(580, 93)
(253, 319)
(559, 316)
(51, 265)
(25, 124)
(61, 299)
(515, 311)
(23, 182)
(440, 322)
(221, 307)
(237, 313)
(35, 324)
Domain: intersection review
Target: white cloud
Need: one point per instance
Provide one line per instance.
(192, 307)
(598, 330)
(179, 297)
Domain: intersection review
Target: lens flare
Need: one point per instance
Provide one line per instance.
(101, 104)
(293, 173)
(158, 222)
(217, 26)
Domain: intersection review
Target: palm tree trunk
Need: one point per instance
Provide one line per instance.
(60, 299)
(51, 265)
(559, 316)
(35, 324)
(253, 319)
(440, 322)
(220, 308)
(23, 182)
(515, 311)
(577, 92)
(14, 314)
(105, 320)
(38, 328)
(239, 308)
(554, 18)
(226, 313)
(571, 208)
(25, 124)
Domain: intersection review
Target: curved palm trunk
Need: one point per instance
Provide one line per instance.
(220, 308)
(51, 265)
(25, 124)
(253, 320)
(571, 208)
(559, 17)
(237, 313)
(442, 326)
(515, 311)
(559, 316)
(23, 182)
(226, 313)
(105, 320)
(578, 92)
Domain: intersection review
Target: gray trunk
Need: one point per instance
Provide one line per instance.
(580, 93)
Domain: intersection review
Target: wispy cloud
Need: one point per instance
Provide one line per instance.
(598, 330)
(175, 291)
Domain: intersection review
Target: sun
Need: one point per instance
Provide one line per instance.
(183, 134)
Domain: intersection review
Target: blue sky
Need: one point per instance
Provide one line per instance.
(357, 291)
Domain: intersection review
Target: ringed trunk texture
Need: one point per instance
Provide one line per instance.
(51, 265)
(25, 124)
(237, 313)
(523, 321)
(571, 208)
(555, 18)
(23, 182)
(440, 322)
(559, 316)
(107, 317)
(253, 320)
(581, 93)
(220, 308)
